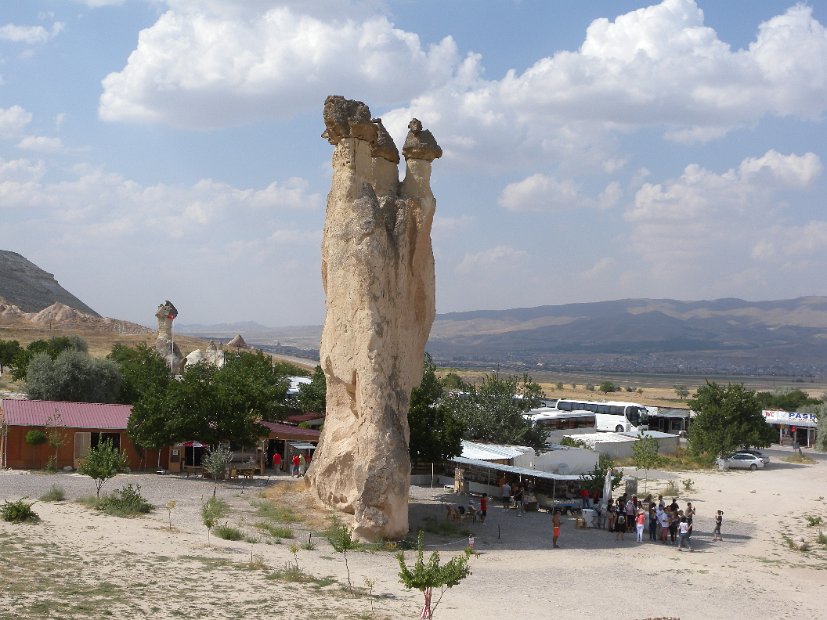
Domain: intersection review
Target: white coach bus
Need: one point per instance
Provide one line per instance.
(611, 415)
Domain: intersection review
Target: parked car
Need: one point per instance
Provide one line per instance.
(741, 460)
(759, 454)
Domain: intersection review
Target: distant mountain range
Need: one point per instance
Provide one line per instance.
(723, 336)
(718, 337)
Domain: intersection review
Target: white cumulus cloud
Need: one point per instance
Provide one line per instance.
(540, 192)
(204, 69)
(29, 34)
(498, 258)
(13, 120)
(42, 144)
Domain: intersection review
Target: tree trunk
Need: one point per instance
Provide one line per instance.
(427, 614)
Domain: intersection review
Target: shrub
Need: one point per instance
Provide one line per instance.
(54, 494)
(276, 531)
(813, 521)
(19, 511)
(228, 532)
(671, 489)
(104, 461)
(688, 484)
(211, 511)
(125, 502)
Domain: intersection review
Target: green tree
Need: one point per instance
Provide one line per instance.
(451, 381)
(427, 576)
(494, 411)
(820, 411)
(103, 462)
(342, 541)
(312, 396)
(681, 391)
(645, 455)
(211, 511)
(56, 437)
(607, 386)
(8, 350)
(595, 480)
(214, 405)
(216, 461)
(51, 347)
(436, 435)
(142, 369)
(786, 400)
(72, 376)
(729, 417)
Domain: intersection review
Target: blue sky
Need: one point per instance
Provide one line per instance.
(170, 149)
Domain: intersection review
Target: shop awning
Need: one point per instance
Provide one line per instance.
(301, 445)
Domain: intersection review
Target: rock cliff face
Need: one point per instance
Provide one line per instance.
(27, 286)
(378, 276)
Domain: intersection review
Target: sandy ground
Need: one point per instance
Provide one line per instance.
(77, 563)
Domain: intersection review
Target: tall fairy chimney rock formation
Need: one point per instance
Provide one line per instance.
(164, 344)
(378, 276)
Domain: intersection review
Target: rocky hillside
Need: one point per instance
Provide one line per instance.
(64, 318)
(27, 286)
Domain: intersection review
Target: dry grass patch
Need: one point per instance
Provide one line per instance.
(293, 500)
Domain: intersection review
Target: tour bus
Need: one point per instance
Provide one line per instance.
(557, 424)
(611, 415)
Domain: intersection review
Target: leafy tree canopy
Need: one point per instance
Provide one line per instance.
(213, 405)
(8, 350)
(72, 376)
(729, 417)
(143, 371)
(493, 411)
(103, 462)
(52, 347)
(312, 396)
(436, 434)
(785, 400)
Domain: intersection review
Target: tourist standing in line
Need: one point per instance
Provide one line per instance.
(611, 515)
(506, 494)
(665, 519)
(653, 521)
(689, 513)
(684, 534)
(719, 519)
(640, 520)
(555, 524)
(630, 513)
(519, 496)
(620, 524)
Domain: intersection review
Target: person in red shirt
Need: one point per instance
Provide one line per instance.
(483, 507)
(296, 462)
(277, 462)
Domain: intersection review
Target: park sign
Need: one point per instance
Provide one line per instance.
(790, 418)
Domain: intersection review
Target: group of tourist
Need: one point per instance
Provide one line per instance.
(515, 495)
(298, 464)
(668, 523)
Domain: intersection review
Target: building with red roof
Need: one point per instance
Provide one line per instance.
(80, 425)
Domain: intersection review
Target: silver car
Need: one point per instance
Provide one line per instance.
(741, 460)
(759, 454)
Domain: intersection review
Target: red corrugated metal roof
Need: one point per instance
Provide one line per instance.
(304, 417)
(72, 415)
(294, 431)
